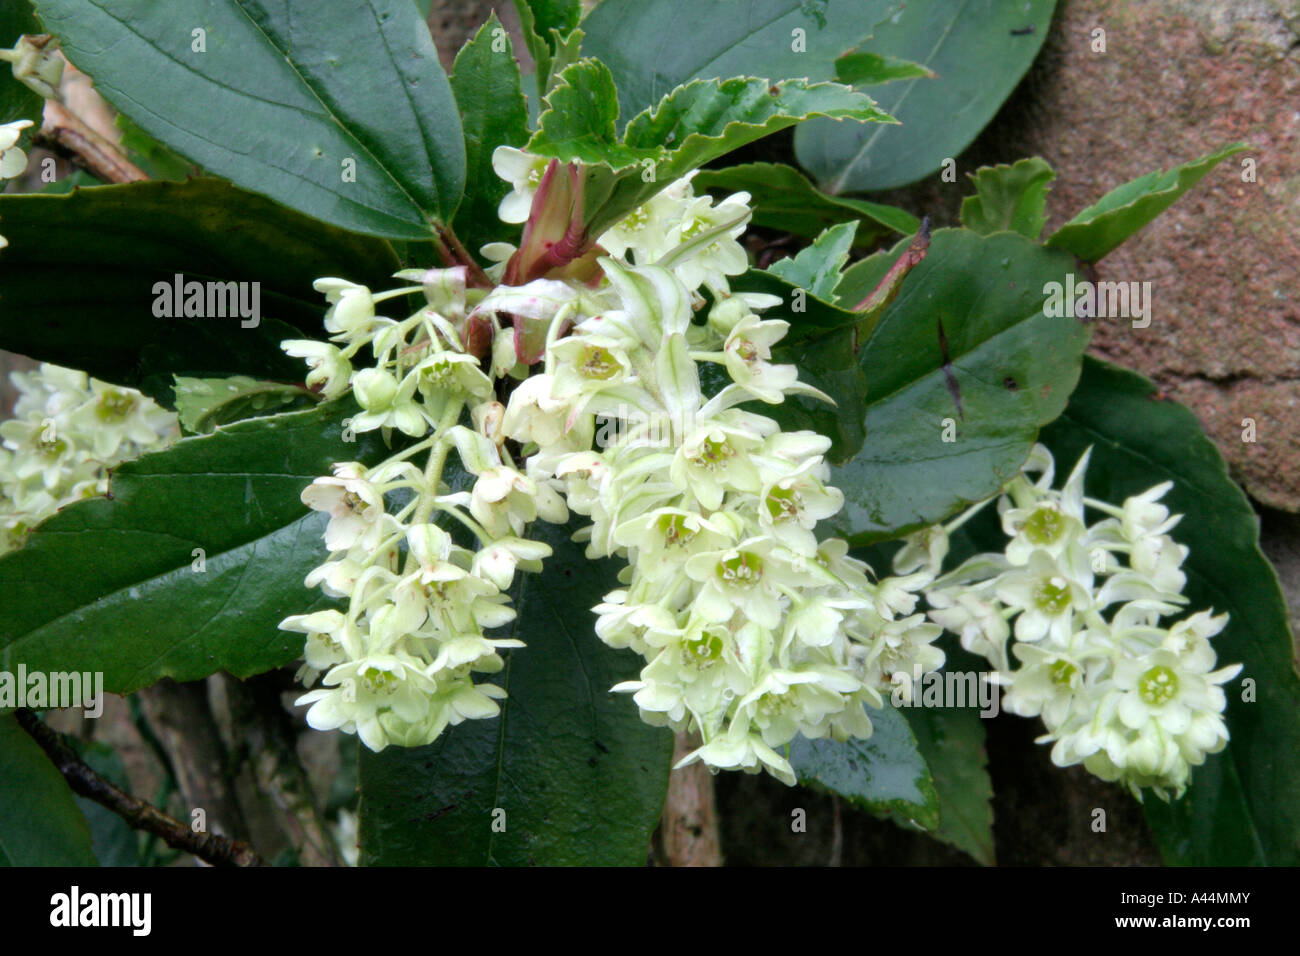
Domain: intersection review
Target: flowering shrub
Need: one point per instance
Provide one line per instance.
(589, 471)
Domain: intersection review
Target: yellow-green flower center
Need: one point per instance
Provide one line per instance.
(637, 219)
(742, 570)
(597, 362)
(1052, 596)
(713, 453)
(694, 227)
(440, 374)
(675, 530)
(114, 406)
(1045, 526)
(706, 650)
(1062, 673)
(1158, 685)
(783, 503)
(53, 448)
(378, 681)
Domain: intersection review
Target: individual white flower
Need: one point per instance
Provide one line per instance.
(1049, 682)
(720, 257)
(716, 457)
(444, 289)
(791, 506)
(1046, 597)
(976, 619)
(453, 373)
(358, 692)
(115, 417)
(535, 415)
(498, 561)
(665, 538)
(737, 748)
(355, 507)
(646, 231)
(587, 365)
(747, 578)
(330, 373)
(523, 171)
(13, 161)
(505, 501)
(331, 639)
(387, 403)
(352, 308)
(1170, 688)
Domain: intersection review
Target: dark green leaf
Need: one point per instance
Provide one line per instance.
(951, 740)
(111, 584)
(17, 101)
(784, 199)
(1213, 824)
(285, 99)
(1241, 807)
(40, 824)
(695, 124)
(558, 15)
(1123, 211)
(654, 46)
(580, 778)
(884, 774)
(545, 25)
(493, 113)
(708, 118)
(816, 268)
(204, 403)
(70, 297)
(863, 68)
(979, 50)
(1009, 369)
(1009, 198)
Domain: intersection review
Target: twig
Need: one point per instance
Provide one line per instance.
(689, 830)
(455, 250)
(209, 847)
(66, 134)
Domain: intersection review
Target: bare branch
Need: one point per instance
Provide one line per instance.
(689, 829)
(209, 847)
(66, 134)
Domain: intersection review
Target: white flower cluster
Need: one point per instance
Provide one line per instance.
(68, 429)
(1129, 698)
(398, 663)
(753, 630)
